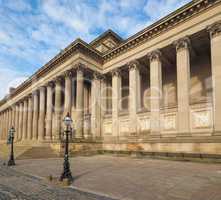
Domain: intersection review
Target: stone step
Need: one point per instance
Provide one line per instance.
(38, 152)
(18, 150)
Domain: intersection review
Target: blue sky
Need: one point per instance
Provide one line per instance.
(34, 31)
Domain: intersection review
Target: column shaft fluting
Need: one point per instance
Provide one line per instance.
(156, 92)
(57, 109)
(30, 118)
(183, 84)
(80, 103)
(68, 92)
(49, 112)
(25, 120)
(215, 35)
(95, 106)
(41, 119)
(133, 96)
(16, 122)
(35, 116)
(20, 120)
(116, 91)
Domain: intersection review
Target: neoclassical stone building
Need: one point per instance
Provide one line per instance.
(157, 91)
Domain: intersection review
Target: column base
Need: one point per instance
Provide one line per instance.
(216, 133)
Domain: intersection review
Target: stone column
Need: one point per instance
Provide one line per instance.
(133, 96)
(3, 125)
(95, 106)
(6, 125)
(20, 121)
(41, 119)
(80, 102)
(30, 117)
(103, 101)
(16, 121)
(1, 122)
(0, 126)
(25, 119)
(68, 92)
(156, 92)
(9, 118)
(183, 84)
(35, 116)
(57, 109)
(215, 35)
(13, 116)
(49, 112)
(116, 91)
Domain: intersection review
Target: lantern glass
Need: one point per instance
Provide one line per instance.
(12, 131)
(67, 120)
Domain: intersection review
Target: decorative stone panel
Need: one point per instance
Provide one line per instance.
(202, 119)
(169, 122)
(144, 124)
(124, 126)
(107, 128)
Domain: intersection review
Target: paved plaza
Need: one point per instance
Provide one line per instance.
(127, 178)
(16, 185)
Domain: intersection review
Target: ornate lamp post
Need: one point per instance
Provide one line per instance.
(66, 174)
(11, 133)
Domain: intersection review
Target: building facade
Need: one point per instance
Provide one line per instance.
(157, 91)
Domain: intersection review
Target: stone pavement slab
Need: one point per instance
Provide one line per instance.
(132, 178)
(19, 186)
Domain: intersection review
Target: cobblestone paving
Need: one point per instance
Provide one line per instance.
(136, 179)
(17, 185)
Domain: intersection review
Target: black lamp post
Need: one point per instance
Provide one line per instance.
(66, 174)
(11, 133)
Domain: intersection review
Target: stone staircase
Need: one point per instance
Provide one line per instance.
(18, 150)
(40, 152)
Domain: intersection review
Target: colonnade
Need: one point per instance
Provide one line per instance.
(32, 116)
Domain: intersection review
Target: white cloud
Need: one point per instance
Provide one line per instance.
(30, 37)
(10, 78)
(156, 9)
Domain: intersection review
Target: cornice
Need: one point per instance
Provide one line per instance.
(163, 25)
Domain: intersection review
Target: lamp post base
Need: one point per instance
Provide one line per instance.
(11, 162)
(66, 172)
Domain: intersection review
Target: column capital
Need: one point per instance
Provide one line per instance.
(133, 64)
(115, 72)
(50, 84)
(103, 78)
(29, 95)
(182, 43)
(58, 79)
(42, 88)
(35, 92)
(26, 98)
(154, 55)
(80, 67)
(97, 76)
(68, 73)
(214, 29)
